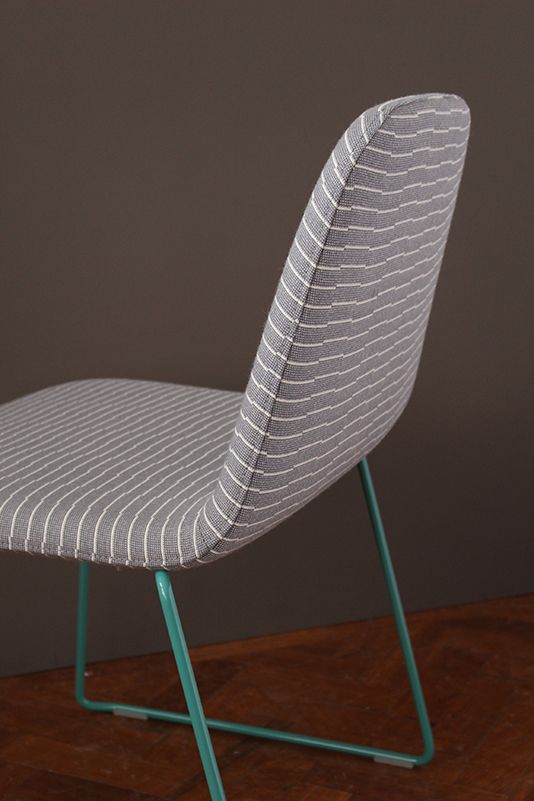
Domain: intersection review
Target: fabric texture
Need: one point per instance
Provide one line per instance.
(159, 475)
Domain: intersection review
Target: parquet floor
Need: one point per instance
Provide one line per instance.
(347, 681)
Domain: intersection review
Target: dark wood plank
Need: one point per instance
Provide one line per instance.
(129, 773)
(343, 682)
(506, 752)
(48, 786)
(12, 776)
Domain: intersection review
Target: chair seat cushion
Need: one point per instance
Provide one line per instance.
(112, 470)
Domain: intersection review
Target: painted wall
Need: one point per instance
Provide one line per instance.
(156, 158)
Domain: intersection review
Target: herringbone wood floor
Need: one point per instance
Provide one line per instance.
(477, 665)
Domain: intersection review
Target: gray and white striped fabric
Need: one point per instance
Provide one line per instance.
(158, 475)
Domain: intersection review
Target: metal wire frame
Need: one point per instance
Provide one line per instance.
(196, 717)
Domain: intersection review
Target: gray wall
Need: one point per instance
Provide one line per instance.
(148, 149)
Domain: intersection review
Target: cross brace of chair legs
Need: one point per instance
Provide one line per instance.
(196, 718)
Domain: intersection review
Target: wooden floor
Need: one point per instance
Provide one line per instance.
(477, 665)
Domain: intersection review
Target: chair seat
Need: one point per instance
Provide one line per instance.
(110, 470)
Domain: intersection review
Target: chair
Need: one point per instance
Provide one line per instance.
(161, 476)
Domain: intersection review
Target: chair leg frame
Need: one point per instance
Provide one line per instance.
(196, 717)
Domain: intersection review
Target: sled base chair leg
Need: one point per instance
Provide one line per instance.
(196, 717)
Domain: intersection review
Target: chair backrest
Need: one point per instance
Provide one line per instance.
(341, 346)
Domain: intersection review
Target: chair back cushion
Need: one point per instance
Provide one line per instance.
(341, 346)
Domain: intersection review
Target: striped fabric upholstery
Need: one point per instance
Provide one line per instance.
(156, 475)
(105, 470)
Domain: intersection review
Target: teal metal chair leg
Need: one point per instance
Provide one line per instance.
(398, 614)
(189, 685)
(196, 715)
(185, 670)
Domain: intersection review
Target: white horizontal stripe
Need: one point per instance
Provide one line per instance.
(423, 112)
(411, 153)
(417, 185)
(441, 131)
(408, 170)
